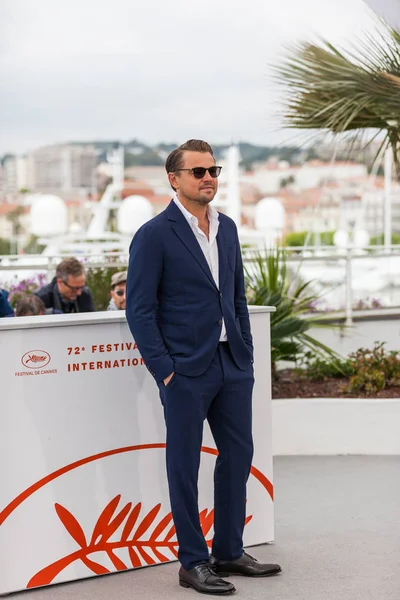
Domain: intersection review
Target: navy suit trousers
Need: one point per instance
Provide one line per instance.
(223, 396)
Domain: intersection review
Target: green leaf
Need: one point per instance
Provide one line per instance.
(270, 282)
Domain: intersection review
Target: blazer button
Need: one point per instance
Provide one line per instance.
(220, 322)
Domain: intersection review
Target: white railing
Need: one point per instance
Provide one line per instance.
(47, 264)
(344, 261)
(348, 262)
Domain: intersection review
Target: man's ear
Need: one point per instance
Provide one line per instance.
(173, 179)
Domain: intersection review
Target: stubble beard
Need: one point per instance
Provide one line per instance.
(203, 200)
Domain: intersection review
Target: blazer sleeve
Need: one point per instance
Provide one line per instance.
(144, 276)
(6, 309)
(241, 308)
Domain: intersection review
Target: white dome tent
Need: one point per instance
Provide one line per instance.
(361, 238)
(270, 219)
(48, 216)
(76, 228)
(133, 213)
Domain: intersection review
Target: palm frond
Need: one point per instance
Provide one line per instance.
(285, 350)
(315, 345)
(290, 327)
(269, 283)
(341, 91)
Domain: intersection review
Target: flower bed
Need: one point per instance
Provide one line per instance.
(363, 374)
(292, 385)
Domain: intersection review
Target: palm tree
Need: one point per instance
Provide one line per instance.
(346, 91)
(269, 283)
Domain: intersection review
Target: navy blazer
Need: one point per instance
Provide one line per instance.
(174, 308)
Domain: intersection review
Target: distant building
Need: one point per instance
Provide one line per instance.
(347, 205)
(139, 187)
(62, 167)
(153, 176)
(14, 175)
(273, 176)
(373, 201)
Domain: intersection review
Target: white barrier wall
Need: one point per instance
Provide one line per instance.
(331, 426)
(83, 485)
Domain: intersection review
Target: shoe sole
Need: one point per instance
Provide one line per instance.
(184, 584)
(227, 574)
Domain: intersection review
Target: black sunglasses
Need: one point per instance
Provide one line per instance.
(72, 287)
(120, 292)
(199, 172)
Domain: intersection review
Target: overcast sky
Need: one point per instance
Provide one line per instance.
(156, 70)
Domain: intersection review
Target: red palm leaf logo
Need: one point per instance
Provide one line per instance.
(139, 539)
(35, 358)
(134, 537)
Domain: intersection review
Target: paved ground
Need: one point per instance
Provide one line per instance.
(337, 538)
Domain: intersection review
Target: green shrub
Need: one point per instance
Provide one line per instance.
(98, 281)
(4, 246)
(320, 368)
(378, 240)
(298, 238)
(367, 371)
(32, 246)
(374, 370)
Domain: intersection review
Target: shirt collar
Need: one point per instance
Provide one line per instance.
(212, 213)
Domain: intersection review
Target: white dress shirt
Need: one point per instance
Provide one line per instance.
(208, 245)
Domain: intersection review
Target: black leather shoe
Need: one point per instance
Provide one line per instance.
(245, 565)
(205, 580)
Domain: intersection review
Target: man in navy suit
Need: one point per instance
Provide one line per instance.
(186, 308)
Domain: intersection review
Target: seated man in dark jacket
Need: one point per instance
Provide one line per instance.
(5, 308)
(67, 292)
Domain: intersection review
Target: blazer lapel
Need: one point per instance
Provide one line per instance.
(222, 254)
(186, 235)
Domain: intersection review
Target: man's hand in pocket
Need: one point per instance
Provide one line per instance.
(168, 379)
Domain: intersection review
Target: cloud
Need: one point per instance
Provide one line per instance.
(153, 70)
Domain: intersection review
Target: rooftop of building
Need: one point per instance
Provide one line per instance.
(278, 165)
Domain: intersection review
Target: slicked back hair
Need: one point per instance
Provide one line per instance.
(174, 161)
